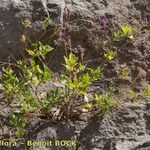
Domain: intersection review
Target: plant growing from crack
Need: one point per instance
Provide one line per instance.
(105, 103)
(22, 88)
(125, 32)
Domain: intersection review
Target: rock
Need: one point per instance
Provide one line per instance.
(125, 129)
(58, 132)
(135, 13)
(90, 44)
(13, 12)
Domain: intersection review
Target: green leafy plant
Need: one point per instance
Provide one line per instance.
(146, 91)
(26, 23)
(51, 99)
(71, 62)
(66, 93)
(47, 21)
(79, 76)
(126, 32)
(132, 94)
(105, 103)
(19, 124)
(10, 82)
(124, 72)
(34, 74)
(111, 55)
(39, 50)
(29, 103)
(21, 87)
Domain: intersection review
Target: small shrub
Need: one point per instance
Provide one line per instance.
(111, 55)
(146, 91)
(126, 32)
(22, 87)
(19, 124)
(125, 71)
(80, 77)
(105, 103)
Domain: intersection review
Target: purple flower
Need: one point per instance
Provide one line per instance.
(104, 23)
(72, 76)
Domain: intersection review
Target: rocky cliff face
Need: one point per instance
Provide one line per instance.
(125, 129)
(13, 12)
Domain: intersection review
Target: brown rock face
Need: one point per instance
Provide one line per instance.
(125, 129)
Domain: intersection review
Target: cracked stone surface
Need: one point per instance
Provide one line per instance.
(125, 129)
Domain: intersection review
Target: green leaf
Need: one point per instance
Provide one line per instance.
(74, 84)
(23, 38)
(132, 94)
(26, 23)
(105, 103)
(22, 123)
(96, 73)
(13, 120)
(10, 82)
(71, 62)
(20, 132)
(41, 50)
(86, 79)
(147, 91)
(84, 83)
(52, 99)
(125, 74)
(128, 31)
(31, 52)
(36, 69)
(81, 67)
(29, 104)
(35, 81)
(119, 36)
(47, 21)
(47, 74)
(111, 55)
